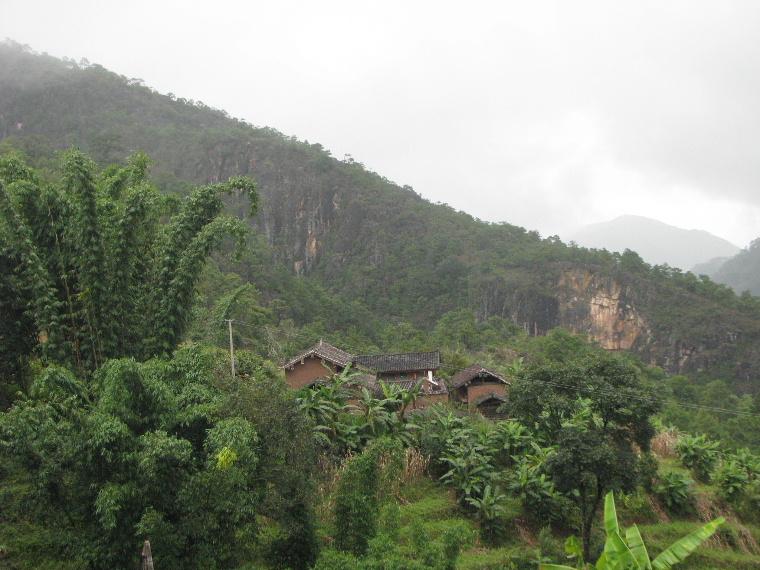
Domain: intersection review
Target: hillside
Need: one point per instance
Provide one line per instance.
(343, 246)
(741, 272)
(656, 242)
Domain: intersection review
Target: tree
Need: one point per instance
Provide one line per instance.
(595, 409)
(95, 270)
(142, 451)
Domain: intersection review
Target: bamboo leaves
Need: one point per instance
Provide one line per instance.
(96, 270)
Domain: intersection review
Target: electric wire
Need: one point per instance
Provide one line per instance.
(609, 392)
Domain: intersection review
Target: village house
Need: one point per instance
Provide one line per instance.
(475, 386)
(314, 364)
(479, 388)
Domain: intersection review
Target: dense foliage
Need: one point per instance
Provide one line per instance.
(93, 268)
(374, 260)
(144, 450)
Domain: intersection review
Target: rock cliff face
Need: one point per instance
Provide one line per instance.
(601, 308)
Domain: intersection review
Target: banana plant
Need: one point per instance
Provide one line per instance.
(630, 552)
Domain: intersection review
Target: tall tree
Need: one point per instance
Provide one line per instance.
(597, 410)
(97, 272)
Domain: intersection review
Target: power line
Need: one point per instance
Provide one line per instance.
(611, 392)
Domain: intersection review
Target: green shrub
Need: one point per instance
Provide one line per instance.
(674, 490)
(698, 454)
(637, 505)
(490, 510)
(334, 560)
(534, 489)
(357, 503)
(748, 505)
(648, 471)
(731, 480)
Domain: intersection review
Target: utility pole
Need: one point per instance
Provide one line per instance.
(232, 348)
(146, 557)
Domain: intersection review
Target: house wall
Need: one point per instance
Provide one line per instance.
(304, 374)
(475, 392)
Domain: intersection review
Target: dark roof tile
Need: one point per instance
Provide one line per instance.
(404, 362)
(464, 377)
(325, 351)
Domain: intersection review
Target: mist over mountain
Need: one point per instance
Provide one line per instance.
(348, 253)
(656, 242)
(740, 272)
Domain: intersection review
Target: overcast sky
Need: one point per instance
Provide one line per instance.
(550, 115)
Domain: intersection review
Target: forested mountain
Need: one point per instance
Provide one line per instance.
(340, 248)
(656, 242)
(741, 272)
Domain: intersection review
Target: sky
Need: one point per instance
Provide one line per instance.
(549, 115)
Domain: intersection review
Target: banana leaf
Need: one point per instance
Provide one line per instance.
(679, 550)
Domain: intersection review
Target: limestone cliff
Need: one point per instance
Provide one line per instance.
(601, 308)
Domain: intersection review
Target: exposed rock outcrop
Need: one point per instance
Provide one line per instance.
(601, 308)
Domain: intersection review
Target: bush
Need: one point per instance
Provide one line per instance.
(648, 471)
(490, 510)
(674, 490)
(535, 490)
(334, 560)
(748, 505)
(731, 480)
(359, 494)
(698, 454)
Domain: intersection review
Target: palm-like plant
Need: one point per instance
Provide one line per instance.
(698, 454)
(510, 438)
(531, 486)
(674, 490)
(731, 480)
(490, 510)
(469, 471)
(374, 413)
(630, 552)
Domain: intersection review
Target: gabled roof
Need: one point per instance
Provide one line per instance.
(325, 351)
(464, 377)
(404, 362)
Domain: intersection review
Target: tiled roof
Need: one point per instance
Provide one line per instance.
(373, 385)
(405, 362)
(325, 351)
(464, 377)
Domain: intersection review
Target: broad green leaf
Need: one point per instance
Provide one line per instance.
(554, 567)
(638, 548)
(679, 550)
(617, 554)
(610, 515)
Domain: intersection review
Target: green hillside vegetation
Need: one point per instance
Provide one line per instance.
(742, 272)
(340, 248)
(120, 419)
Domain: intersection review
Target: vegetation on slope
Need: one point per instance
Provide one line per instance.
(363, 245)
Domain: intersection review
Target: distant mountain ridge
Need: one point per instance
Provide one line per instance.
(379, 248)
(656, 242)
(740, 272)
